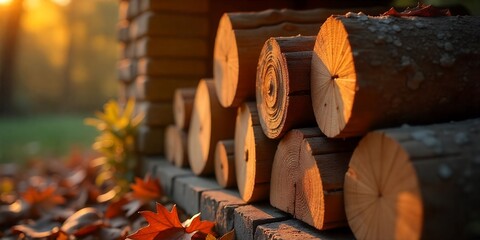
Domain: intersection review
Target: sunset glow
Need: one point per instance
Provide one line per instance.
(5, 2)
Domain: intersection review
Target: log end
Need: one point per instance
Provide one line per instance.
(381, 189)
(333, 78)
(225, 164)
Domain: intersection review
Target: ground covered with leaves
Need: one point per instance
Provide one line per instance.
(49, 199)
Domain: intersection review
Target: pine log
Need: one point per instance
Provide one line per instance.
(374, 72)
(283, 85)
(239, 40)
(285, 168)
(171, 67)
(168, 25)
(182, 106)
(416, 182)
(156, 114)
(169, 141)
(177, 6)
(158, 89)
(322, 166)
(254, 154)
(180, 157)
(210, 123)
(225, 163)
(171, 47)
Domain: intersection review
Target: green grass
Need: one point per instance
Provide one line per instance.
(42, 136)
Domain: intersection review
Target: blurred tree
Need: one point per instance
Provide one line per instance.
(9, 53)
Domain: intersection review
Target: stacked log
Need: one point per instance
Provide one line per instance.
(239, 40)
(416, 182)
(225, 163)
(373, 72)
(283, 85)
(254, 154)
(176, 136)
(209, 123)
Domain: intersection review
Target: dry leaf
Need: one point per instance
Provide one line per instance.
(83, 222)
(40, 229)
(421, 10)
(146, 190)
(166, 225)
(42, 199)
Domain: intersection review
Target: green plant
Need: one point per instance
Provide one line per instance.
(116, 142)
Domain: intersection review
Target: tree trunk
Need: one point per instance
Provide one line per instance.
(210, 123)
(239, 40)
(254, 154)
(225, 163)
(183, 106)
(8, 57)
(373, 72)
(416, 182)
(283, 85)
(319, 194)
(285, 168)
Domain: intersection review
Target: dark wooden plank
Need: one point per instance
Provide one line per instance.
(218, 206)
(247, 218)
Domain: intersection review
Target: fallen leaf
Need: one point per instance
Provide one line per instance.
(83, 222)
(146, 190)
(166, 225)
(115, 208)
(42, 200)
(9, 214)
(421, 10)
(40, 229)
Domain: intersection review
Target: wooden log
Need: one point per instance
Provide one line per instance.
(123, 10)
(150, 140)
(171, 47)
(285, 168)
(239, 40)
(169, 25)
(362, 61)
(126, 50)
(169, 141)
(225, 163)
(171, 67)
(133, 9)
(126, 91)
(158, 89)
(283, 85)
(180, 158)
(182, 106)
(254, 154)
(177, 6)
(416, 182)
(156, 114)
(322, 165)
(127, 70)
(210, 123)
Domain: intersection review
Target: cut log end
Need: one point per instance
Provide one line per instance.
(180, 157)
(225, 63)
(285, 169)
(200, 132)
(182, 106)
(225, 164)
(382, 194)
(333, 78)
(272, 76)
(170, 140)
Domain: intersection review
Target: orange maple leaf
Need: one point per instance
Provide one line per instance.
(146, 190)
(44, 199)
(166, 225)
